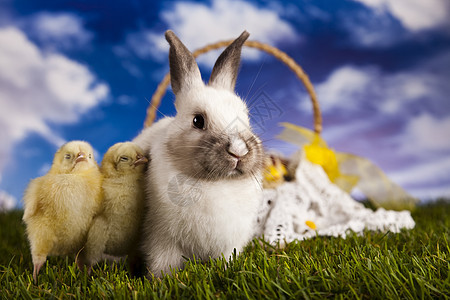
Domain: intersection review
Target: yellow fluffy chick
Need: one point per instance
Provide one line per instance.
(60, 206)
(115, 230)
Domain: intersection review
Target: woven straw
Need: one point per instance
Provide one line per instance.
(280, 55)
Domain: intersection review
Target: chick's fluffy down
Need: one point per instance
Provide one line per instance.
(115, 230)
(59, 207)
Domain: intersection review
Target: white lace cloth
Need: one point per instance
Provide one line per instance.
(312, 197)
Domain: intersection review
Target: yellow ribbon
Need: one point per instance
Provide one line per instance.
(349, 171)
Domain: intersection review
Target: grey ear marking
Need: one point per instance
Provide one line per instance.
(184, 70)
(224, 73)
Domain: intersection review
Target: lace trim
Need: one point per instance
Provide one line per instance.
(285, 209)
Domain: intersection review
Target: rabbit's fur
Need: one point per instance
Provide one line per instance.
(203, 182)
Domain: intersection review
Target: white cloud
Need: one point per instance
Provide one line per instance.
(7, 202)
(427, 134)
(59, 30)
(402, 89)
(125, 100)
(342, 132)
(146, 44)
(357, 88)
(370, 30)
(432, 171)
(415, 15)
(199, 24)
(37, 88)
(343, 87)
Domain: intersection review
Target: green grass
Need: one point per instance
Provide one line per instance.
(410, 265)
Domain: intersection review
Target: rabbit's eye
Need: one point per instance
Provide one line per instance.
(199, 122)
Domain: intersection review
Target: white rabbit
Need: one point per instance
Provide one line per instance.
(203, 180)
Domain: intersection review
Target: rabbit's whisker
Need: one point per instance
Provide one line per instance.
(256, 77)
(256, 93)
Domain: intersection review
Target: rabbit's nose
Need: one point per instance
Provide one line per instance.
(237, 148)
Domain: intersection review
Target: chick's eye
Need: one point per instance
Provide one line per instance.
(124, 158)
(67, 156)
(90, 156)
(199, 122)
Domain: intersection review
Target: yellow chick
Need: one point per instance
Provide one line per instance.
(60, 206)
(275, 172)
(115, 230)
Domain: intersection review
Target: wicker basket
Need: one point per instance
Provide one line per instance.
(280, 55)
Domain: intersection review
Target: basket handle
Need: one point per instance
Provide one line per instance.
(280, 55)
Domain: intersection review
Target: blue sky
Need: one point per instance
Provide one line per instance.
(85, 70)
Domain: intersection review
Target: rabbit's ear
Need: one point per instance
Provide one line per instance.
(225, 70)
(184, 72)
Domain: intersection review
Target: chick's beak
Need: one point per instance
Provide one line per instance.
(81, 156)
(140, 160)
